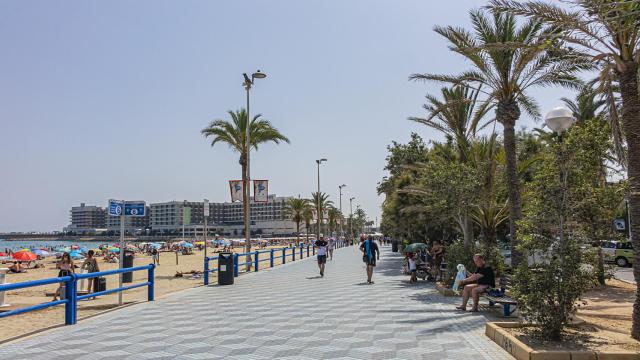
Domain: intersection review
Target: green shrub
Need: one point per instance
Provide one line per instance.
(456, 253)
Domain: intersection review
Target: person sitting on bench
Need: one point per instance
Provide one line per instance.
(477, 283)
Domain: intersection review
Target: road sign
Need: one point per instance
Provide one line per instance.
(206, 207)
(115, 207)
(134, 208)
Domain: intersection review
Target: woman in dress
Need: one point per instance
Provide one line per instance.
(66, 268)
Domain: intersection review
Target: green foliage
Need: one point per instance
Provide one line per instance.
(569, 184)
(456, 253)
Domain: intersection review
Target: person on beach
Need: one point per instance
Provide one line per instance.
(369, 250)
(155, 256)
(66, 268)
(16, 268)
(322, 254)
(91, 265)
(477, 283)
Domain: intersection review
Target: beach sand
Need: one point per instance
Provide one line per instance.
(166, 283)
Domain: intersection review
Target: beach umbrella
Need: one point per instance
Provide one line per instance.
(24, 256)
(156, 245)
(75, 254)
(83, 249)
(75, 247)
(199, 243)
(3, 254)
(415, 247)
(114, 250)
(40, 252)
(186, 244)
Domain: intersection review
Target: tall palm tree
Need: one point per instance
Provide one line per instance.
(608, 31)
(458, 116)
(508, 59)
(294, 209)
(232, 132)
(360, 219)
(321, 204)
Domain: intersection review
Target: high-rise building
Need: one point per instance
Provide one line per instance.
(86, 219)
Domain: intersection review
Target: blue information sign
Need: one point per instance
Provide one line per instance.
(115, 207)
(134, 208)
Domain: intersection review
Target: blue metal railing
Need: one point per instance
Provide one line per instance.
(71, 291)
(283, 253)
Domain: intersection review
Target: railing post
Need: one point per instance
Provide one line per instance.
(271, 259)
(307, 250)
(206, 271)
(300, 251)
(235, 265)
(151, 278)
(256, 260)
(293, 254)
(284, 258)
(71, 307)
(314, 250)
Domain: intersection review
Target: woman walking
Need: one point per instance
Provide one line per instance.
(66, 268)
(91, 265)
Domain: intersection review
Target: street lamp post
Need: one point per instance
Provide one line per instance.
(351, 217)
(340, 187)
(318, 210)
(560, 119)
(248, 83)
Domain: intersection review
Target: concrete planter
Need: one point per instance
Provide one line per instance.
(496, 332)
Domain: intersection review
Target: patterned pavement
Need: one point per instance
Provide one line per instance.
(288, 312)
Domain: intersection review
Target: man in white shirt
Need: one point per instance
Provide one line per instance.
(321, 245)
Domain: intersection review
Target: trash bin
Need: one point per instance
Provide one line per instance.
(127, 262)
(225, 269)
(394, 246)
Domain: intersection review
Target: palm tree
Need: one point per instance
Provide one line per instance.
(232, 132)
(360, 219)
(333, 216)
(586, 105)
(321, 204)
(507, 61)
(295, 209)
(457, 116)
(608, 32)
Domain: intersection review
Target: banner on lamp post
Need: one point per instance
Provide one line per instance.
(260, 190)
(235, 186)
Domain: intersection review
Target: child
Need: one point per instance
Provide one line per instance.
(413, 270)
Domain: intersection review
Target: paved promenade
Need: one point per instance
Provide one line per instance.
(285, 313)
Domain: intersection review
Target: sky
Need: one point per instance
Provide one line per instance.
(103, 100)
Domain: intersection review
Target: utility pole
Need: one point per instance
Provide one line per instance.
(341, 216)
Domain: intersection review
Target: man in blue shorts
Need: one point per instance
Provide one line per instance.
(321, 245)
(369, 251)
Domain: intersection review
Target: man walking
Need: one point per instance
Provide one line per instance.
(369, 251)
(322, 254)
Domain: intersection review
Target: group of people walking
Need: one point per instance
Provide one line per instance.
(368, 247)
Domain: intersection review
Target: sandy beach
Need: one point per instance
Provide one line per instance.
(166, 283)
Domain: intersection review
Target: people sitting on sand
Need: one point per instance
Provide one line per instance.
(16, 268)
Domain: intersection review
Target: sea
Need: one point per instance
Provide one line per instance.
(36, 244)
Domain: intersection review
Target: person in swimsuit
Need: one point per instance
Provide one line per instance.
(66, 268)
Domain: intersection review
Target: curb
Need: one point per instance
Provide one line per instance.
(495, 331)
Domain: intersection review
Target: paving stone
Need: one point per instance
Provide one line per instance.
(285, 313)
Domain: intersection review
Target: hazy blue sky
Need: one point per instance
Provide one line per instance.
(104, 100)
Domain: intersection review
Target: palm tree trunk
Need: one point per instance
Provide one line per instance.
(631, 121)
(507, 114)
(298, 231)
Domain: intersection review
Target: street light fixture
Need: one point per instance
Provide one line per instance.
(340, 187)
(318, 210)
(248, 83)
(559, 119)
